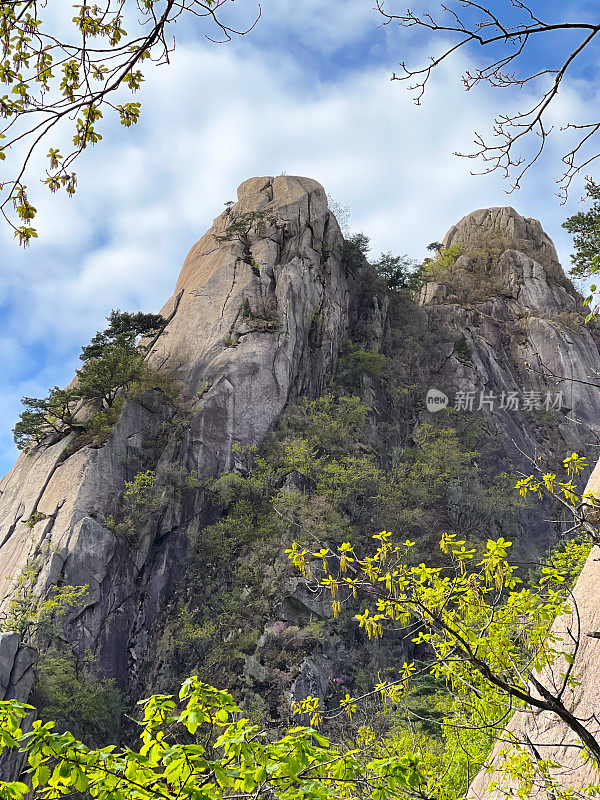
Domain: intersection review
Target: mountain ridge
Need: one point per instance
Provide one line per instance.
(258, 327)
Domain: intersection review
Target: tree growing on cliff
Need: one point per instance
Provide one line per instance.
(396, 271)
(124, 329)
(198, 746)
(509, 46)
(46, 416)
(112, 362)
(585, 227)
(489, 640)
(489, 637)
(115, 359)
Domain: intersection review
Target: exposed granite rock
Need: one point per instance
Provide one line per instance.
(526, 234)
(9, 644)
(17, 664)
(255, 321)
(238, 370)
(313, 679)
(300, 603)
(255, 670)
(529, 337)
(433, 292)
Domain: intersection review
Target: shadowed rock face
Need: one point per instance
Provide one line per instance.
(524, 331)
(254, 321)
(507, 358)
(17, 663)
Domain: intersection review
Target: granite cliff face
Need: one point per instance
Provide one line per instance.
(237, 375)
(522, 337)
(257, 322)
(542, 734)
(522, 323)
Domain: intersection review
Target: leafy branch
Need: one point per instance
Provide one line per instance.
(53, 83)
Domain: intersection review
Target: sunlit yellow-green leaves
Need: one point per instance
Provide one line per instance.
(485, 633)
(573, 465)
(242, 762)
(62, 77)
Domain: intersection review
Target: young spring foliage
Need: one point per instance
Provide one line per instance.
(488, 636)
(585, 227)
(33, 616)
(199, 746)
(63, 68)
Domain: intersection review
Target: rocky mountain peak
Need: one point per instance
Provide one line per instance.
(266, 314)
(286, 202)
(505, 292)
(523, 234)
(496, 255)
(259, 314)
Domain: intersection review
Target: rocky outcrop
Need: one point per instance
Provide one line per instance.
(17, 665)
(525, 234)
(272, 308)
(522, 332)
(257, 317)
(17, 661)
(529, 337)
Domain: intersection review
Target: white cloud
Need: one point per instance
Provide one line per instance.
(315, 24)
(215, 117)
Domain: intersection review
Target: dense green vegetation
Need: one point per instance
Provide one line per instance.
(585, 227)
(487, 636)
(484, 632)
(361, 457)
(198, 746)
(68, 689)
(330, 471)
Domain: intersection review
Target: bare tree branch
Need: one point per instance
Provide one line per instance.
(518, 138)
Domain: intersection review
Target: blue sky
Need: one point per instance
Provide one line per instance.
(307, 92)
